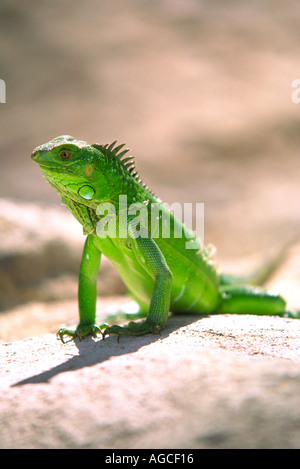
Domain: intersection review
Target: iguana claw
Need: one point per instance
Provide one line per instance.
(133, 329)
(82, 330)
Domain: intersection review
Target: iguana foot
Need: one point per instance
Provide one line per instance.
(82, 330)
(133, 328)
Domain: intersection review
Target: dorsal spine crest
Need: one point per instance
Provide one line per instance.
(127, 162)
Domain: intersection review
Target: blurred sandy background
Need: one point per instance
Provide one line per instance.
(200, 90)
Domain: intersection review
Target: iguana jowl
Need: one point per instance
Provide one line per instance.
(161, 274)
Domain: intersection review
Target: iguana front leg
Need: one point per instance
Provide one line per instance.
(150, 257)
(87, 293)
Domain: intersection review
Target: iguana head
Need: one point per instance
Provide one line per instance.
(85, 173)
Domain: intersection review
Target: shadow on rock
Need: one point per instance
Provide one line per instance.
(93, 352)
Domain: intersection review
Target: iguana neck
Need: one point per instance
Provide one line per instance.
(85, 212)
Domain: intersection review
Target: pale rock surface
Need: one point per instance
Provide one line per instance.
(209, 382)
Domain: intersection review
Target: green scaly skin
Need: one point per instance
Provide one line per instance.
(161, 273)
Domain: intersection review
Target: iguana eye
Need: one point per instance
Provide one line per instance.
(65, 154)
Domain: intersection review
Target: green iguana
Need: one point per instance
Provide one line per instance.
(162, 273)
